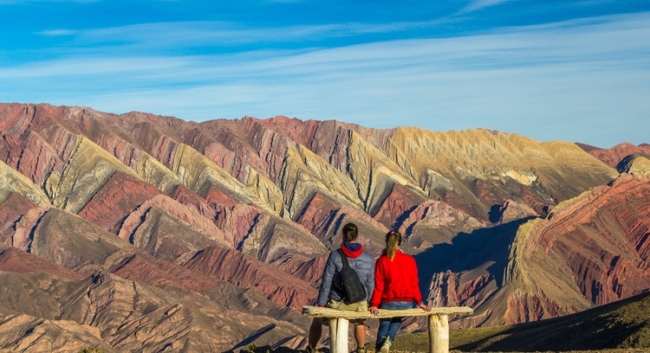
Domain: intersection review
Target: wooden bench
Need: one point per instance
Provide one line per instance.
(339, 323)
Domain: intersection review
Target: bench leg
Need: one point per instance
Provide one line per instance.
(438, 334)
(333, 333)
(342, 336)
(339, 335)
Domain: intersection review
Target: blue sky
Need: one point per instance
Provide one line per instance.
(551, 70)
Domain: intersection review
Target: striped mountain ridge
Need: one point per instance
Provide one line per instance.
(243, 213)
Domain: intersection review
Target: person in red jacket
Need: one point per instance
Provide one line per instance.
(396, 288)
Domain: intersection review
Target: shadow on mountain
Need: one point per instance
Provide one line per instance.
(257, 334)
(280, 349)
(469, 251)
(623, 324)
(626, 163)
(496, 213)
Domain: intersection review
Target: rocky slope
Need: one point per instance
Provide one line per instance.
(563, 263)
(613, 156)
(160, 218)
(44, 312)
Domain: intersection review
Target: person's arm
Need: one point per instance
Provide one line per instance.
(379, 288)
(369, 281)
(415, 285)
(326, 282)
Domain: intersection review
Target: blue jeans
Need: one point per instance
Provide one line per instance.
(388, 327)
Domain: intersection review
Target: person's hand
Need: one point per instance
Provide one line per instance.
(374, 310)
(424, 307)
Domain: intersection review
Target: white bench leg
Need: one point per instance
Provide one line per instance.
(339, 335)
(438, 334)
(333, 333)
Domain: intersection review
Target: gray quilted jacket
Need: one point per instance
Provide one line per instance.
(364, 265)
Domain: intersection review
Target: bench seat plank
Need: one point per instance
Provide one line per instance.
(316, 311)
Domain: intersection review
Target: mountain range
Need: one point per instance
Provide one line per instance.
(139, 232)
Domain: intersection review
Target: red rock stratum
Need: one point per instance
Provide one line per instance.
(138, 232)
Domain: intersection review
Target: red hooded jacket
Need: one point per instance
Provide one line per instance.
(396, 280)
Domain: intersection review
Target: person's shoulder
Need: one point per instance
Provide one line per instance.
(333, 254)
(409, 255)
(383, 258)
(367, 257)
(409, 258)
(405, 256)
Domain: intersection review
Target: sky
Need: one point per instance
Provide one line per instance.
(575, 71)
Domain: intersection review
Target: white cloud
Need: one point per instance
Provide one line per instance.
(58, 33)
(189, 34)
(476, 5)
(583, 81)
(12, 2)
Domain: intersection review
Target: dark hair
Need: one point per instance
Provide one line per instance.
(350, 232)
(393, 241)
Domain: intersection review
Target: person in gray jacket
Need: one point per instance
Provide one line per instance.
(330, 294)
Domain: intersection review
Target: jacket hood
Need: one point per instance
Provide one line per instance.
(352, 250)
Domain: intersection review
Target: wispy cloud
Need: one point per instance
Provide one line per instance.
(58, 32)
(284, 1)
(476, 5)
(187, 34)
(13, 2)
(584, 80)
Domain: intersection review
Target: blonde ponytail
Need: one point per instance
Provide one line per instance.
(393, 241)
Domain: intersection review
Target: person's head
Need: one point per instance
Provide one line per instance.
(350, 232)
(393, 241)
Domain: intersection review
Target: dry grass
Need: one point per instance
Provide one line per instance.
(623, 326)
